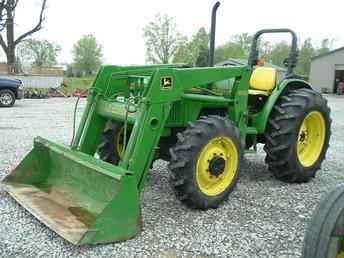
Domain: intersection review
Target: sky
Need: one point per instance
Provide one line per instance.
(118, 25)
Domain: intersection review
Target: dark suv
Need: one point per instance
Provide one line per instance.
(10, 90)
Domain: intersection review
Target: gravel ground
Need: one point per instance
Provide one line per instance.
(262, 218)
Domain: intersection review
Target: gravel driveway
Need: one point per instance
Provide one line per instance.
(262, 218)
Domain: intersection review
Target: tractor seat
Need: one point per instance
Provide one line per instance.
(263, 81)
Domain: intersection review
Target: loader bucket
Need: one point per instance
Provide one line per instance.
(83, 199)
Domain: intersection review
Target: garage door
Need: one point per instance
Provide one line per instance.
(339, 66)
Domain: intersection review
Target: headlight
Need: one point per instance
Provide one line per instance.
(21, 86)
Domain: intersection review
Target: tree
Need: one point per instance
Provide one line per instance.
(183, 53)
(87, 55)
(193, 50)
(203, 56)
(244, 40)
(278, 53)
(326, 45)
(3, 17)
(237, 47)
(7, 9)
(199, 47)
(229, 50)
(162, 39)
(38, 52)
(307, 51)
(69, 70)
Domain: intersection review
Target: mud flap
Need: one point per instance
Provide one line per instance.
(81, 198)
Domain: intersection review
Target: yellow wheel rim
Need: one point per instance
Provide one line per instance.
(311, 138)
(119, 142)
(217, 166)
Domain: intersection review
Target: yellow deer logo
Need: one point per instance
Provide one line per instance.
(166, 82)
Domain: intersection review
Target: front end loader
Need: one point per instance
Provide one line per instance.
(200, 119)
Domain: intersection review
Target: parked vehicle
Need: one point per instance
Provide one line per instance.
(10, 90)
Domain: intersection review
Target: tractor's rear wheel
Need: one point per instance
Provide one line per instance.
(110, 148)
(325, 234)
(205, 162)
(297, 136)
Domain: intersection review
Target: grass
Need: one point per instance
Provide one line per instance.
(73, 83)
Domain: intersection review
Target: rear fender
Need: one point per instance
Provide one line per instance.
(260, 119)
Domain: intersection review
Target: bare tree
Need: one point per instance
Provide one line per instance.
(38, 53)
(162, 39)
(2, 14)
(7, 23)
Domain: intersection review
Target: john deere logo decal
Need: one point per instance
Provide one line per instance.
(166, 83)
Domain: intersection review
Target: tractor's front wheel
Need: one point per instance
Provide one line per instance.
(297, 136)
(205, 162)
(110, 148)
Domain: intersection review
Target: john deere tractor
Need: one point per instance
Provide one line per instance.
(202, 120)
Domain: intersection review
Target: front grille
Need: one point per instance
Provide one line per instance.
(175, 113)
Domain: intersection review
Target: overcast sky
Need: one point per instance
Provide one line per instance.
(118, 25)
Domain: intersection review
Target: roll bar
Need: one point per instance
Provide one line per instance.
(291, 61)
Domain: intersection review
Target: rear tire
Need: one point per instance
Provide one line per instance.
(205, 162)
(297, 135)
(7, 98)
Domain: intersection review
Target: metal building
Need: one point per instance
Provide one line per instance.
(327, 70)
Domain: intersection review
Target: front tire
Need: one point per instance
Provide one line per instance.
(325, 234)
(7, 98)
(205, 162)
(110, 148)
(297, 136)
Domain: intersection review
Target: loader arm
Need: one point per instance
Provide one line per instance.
(154, 107)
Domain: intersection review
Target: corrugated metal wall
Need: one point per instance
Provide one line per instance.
(37, 81)
(323, 70)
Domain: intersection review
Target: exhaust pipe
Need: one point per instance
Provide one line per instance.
(212, 34)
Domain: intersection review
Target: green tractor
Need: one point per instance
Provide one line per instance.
(202, 120)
